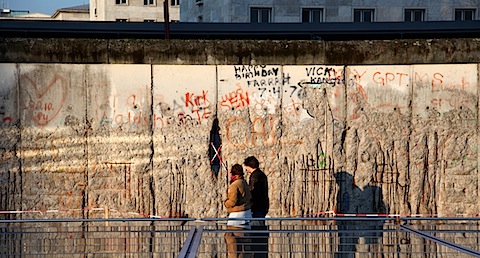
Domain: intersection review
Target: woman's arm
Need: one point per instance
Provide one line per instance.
(232, 196)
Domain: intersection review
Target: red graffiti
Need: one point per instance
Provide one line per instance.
(199, 105)
(235, 99)
(292, 109)
(6, 121)
(194, 100)
(44, 106)
(436, 80)
(262, 132)
(453, 101)
(387, 78)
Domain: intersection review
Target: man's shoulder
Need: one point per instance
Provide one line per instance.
(259, 173)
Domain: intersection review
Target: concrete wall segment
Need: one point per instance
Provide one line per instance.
(10, 169)
(185, 104)
(442, 88)
(234, 52)
(187, 93)
(52, 143)
(350, 138)
(386, 89)
(51, 98)
(50, 50)
(9, 113)
(310, 152)
(378, 114)
(149, 154)
(127, 102)
(119, 137)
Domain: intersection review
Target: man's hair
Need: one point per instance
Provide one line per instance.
(237, 169)
(251, 162)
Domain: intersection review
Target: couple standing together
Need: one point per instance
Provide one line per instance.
(247, 201)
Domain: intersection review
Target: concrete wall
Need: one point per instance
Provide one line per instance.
(125, 124)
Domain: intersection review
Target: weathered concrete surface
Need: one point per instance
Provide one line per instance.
(378, 136)
(233, 52)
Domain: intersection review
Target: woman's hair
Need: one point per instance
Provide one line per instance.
(237, 169)
(251, 162)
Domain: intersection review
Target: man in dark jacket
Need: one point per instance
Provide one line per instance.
(259, 205)
(258, 186)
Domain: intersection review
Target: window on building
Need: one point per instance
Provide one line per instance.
(260, 15)
(363, 15)
(148, 2)
(464, 14)
(174, 2)
(414, 15)
(121, 1)
(312, 15)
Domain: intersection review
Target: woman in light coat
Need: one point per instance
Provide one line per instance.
(238, 207)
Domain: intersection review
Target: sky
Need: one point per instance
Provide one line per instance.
(40, 6)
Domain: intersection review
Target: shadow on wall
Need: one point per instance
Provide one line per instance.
(352, 199)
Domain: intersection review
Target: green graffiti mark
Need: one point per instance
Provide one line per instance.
(323, 161)
(466, 157)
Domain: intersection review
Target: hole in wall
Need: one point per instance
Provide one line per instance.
(215, 148)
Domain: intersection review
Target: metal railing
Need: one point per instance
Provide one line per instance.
(211, 237)
(93, 237)
(348, 237)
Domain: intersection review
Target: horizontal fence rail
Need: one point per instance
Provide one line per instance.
(93, 238)
(362, 236)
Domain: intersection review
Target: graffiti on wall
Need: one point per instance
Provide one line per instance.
(5, 116)
(390, 89)
(237, 98)
(255, 86)
(258, 87)
(118, 110)
(385, 90)
(319, 76)
(329, 80)
(263, 88)
(260, 132)
(192, 109)
(198, 104)
(438, 85)
(42, 103)
(115, 179)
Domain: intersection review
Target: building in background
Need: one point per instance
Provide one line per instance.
(133, 10)
(315, 11)
(74, 13)
(6, 13)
